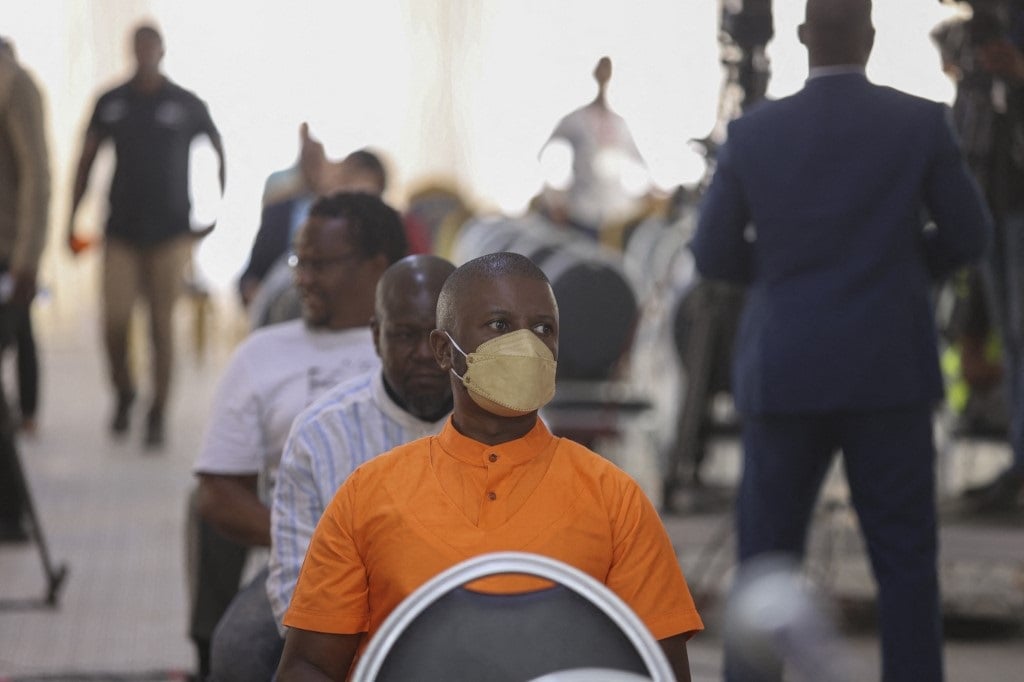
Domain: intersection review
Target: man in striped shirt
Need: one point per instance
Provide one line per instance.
(407, 398)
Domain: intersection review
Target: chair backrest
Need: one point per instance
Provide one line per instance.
(445, 631)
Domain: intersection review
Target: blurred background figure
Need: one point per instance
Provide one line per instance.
(288, 194)
(818, 210)
(774, 619)
(24, 215)
(983, 54)
(607, 175)
(266, 285)
(152, 122)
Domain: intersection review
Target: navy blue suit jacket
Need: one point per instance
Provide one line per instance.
(819, 204)
(272, 241)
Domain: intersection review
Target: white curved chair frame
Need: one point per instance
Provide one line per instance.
(522, 563)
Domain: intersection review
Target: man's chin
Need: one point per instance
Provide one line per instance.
(314, 311)
(428, 406)
(314, 319)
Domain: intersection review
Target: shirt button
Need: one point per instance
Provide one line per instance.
(493, 457)
(492, 496)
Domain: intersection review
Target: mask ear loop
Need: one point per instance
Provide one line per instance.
(452, 368)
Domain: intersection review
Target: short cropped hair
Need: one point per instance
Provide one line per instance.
(147, 31)
(375, 227)
(462, 281)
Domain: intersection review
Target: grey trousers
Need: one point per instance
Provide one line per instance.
(246, 645)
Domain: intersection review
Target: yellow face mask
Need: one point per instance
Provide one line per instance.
(510, 375)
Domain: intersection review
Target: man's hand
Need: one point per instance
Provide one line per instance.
(77, 244)
(1003, 59)
(312, 160)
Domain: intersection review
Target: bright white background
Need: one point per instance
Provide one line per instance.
(460, 89)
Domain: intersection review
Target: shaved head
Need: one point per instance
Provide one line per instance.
(838, 14)
(412, 273)
(462, 281)
(404, 318)
(837, 32)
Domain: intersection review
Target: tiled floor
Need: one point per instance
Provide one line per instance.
(115, 514)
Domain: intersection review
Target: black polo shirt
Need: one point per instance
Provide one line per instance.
(152, 134)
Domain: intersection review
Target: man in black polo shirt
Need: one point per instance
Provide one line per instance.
(152, 123)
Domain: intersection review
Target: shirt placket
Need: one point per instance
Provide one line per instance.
(495, 493)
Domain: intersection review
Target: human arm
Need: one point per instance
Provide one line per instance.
(231, 504)
(27, 136)
(962, 223)
(235, 450)
(295, 511)
(218, 147)
(675, 651)
(645, 573)
(269, 245)
(205, 125)
(312, 656)
(329, 610)
(720, 245)
(90, 147)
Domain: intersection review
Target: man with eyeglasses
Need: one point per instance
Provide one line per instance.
(340, 252)
(407, 397)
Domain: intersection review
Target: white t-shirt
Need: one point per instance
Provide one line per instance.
(274, 374)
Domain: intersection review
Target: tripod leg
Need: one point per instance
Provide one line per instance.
(8, 452)
(54, 574)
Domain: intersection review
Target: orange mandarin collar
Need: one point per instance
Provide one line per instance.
(513, 452)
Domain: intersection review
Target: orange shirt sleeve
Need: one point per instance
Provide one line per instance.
(645, 571)
(331, 594)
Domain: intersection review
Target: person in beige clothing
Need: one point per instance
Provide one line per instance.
(24, 212)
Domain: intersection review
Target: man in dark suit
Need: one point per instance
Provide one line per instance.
(839, 207)
(288, 195)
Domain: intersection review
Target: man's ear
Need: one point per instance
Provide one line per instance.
(442, 348)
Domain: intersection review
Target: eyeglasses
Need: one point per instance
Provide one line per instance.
(317, 266)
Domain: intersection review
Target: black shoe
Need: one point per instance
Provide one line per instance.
(155, 429)
(119, 424)
(999, 494)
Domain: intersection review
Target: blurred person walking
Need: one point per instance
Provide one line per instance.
(24, 215)
(152, 122)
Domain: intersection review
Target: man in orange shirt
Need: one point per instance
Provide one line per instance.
(494, 479)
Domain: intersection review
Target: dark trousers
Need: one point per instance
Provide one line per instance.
(12, 494)
(889, 460)
(214, 571)
(28, 365)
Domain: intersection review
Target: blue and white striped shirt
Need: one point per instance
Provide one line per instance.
(350, 424)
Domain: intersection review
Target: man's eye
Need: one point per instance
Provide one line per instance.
(543, 329)
(498, 325)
